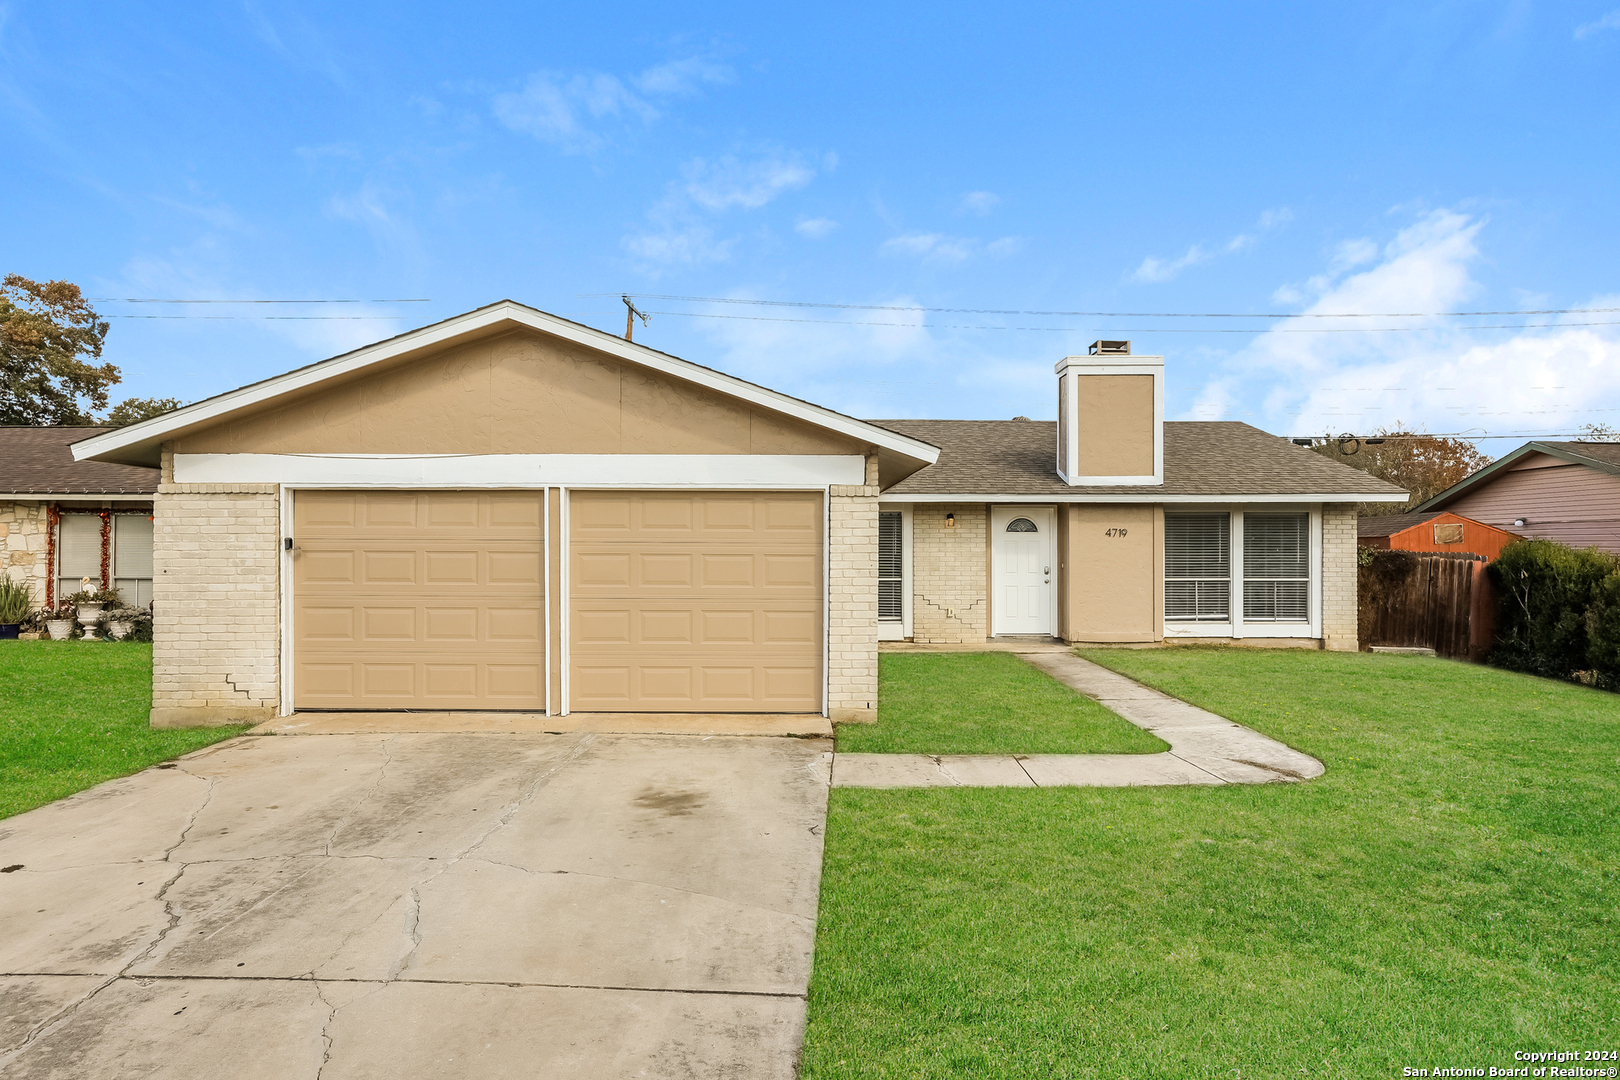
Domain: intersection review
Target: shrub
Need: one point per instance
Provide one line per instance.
(16, 600)
(1559, 613)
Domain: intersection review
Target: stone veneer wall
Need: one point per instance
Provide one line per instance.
(216, 608)
(852, 650)
(950, 586)
(1339, 605)
(24, 538)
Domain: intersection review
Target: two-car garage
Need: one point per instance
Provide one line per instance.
(655, 601)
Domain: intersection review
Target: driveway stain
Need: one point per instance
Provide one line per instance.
(671, 803)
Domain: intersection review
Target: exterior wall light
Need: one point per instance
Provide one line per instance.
(1520, 522)
(950, 521)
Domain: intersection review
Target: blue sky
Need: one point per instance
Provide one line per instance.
(1254, 158)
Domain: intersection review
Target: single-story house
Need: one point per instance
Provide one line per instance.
(63, 520)
(1434, 531)
(1563, 491)
(508, 510)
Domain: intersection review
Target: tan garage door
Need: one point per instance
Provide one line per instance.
(418, 600)
(695, 602)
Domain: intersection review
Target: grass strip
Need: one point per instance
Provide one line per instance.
(74, 714)
(985, 703)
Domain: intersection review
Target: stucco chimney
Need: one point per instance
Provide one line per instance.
(1110, 417)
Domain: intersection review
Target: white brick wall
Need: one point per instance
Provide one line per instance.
(1339, 578)
(949, 586)
(216, 605)
(24, 536)
(852, 652)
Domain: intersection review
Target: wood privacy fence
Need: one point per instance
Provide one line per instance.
(1442, 602)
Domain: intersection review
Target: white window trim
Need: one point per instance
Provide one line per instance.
(1237, 627)
(901, 631)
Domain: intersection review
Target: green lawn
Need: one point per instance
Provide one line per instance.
(985, 703)
(74, 713)
(1444, 896)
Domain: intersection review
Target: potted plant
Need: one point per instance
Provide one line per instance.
(16, 601)
(90, 601)
(59, 624)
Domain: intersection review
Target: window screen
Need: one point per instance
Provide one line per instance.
(132, 558)
(891, 567)
(1276, 567)
(78, 553)
(1197, 567)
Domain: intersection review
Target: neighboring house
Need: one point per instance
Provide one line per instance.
(1438, 531)
(1563, 491)
(508, 510)
(63, 520)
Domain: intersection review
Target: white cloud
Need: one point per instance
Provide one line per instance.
(683, 77)
(686, 245)
(1441, 374)
(1154, 270)
(1611, 21)
(978, 202)
(1157, 270)
(553, 108)
(1006, 246)
(935, 247)
(815, 228)
(1275, 218)
(573, 111)
(681, 232)
(728, 182)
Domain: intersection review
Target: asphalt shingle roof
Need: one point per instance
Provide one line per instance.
(37, 461)
(1390, 524)
(1204, 458)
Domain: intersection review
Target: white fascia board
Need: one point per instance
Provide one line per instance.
(156, 429)
(523, 470)
(1064, 497)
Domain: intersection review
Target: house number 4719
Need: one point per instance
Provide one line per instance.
(1116, 532)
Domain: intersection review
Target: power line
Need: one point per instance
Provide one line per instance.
(1119, 314)
(150, 300)
(261, 318)
(1125, 330)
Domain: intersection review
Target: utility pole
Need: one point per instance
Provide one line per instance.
(631, 315)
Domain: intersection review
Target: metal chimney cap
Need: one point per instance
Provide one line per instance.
(1110, 348)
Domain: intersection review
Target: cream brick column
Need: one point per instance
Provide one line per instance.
(950, 573)
(23, 541)
(1339, 605)
(852, 589)
(216, 611)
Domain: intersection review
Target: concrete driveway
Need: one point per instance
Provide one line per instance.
(420, 905)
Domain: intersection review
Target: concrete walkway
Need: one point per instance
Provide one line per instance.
(420, 905)
(1204, 748)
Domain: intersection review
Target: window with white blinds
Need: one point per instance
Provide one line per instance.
(1276, 567)
(891, 567)
(78, 553)
(1197, 567)
(132, 558)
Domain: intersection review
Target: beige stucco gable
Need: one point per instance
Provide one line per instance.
(522, 392)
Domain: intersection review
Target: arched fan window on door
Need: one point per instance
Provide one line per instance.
(1021, 525)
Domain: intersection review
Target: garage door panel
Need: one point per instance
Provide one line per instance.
(695, 601)
(320, 567)
(388, 624)
(419, 600)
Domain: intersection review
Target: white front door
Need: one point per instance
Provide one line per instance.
(1023, 546)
